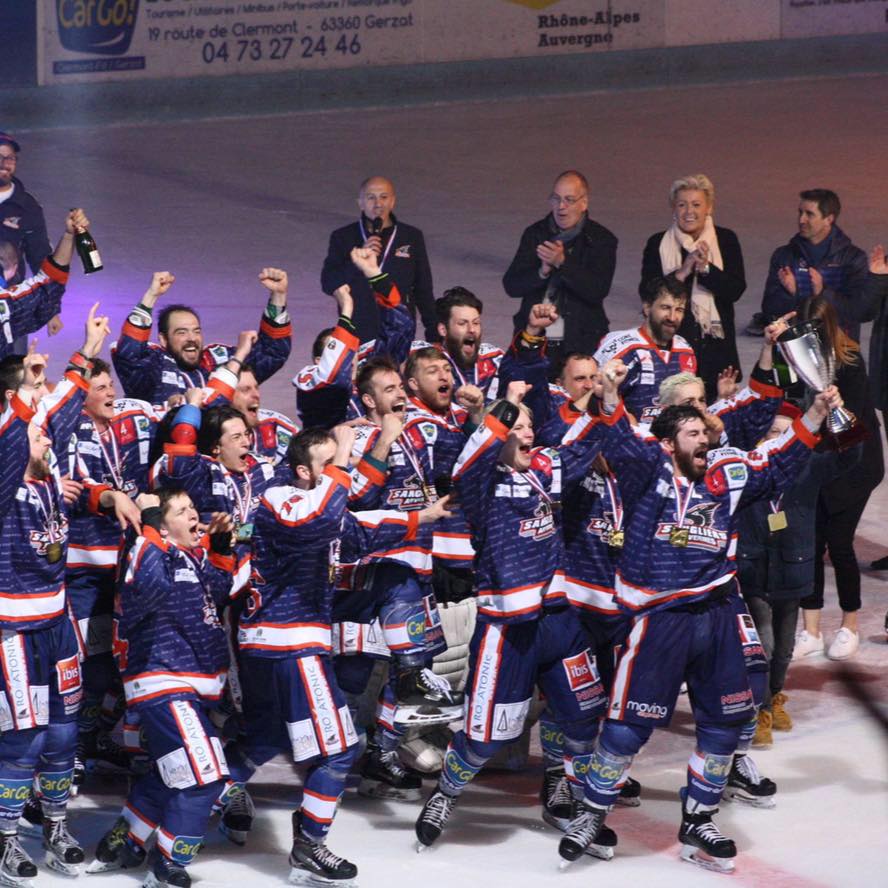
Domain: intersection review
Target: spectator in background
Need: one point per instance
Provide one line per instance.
(819, 261)
(709, 260)
(842, 501)
(566, 260)
(400, 251)
(23, 237)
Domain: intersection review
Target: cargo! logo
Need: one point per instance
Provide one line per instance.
(97, 27)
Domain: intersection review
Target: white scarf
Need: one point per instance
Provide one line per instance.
(702, 301)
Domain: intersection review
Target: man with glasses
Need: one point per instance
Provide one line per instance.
(567, 260)
(23, 236)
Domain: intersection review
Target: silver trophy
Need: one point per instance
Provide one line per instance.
(814, 362)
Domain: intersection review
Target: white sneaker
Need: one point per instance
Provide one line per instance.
(806, 645)
(844, 645)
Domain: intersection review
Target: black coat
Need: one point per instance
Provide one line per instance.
(407, 265)
(586, 276)
(726, 285)
(22, 224)
(877, 310)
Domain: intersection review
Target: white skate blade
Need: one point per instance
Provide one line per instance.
(421, 848)
(560, 823)
(377, 789)
(15, 882)
(410, 715)
(68, 869)
(692, 854)
(303, 877)
(96, 866)
(739, 795)
(600, 852)
(564, 865)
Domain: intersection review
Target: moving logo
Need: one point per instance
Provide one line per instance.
(103, 27)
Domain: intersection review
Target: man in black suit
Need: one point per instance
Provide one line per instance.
(402, 255)
(568, 260)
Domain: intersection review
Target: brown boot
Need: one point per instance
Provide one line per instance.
(780, 717)
(763, 738)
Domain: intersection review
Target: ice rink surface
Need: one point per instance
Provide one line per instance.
(216, 200)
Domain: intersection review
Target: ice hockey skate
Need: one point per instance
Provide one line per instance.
(556, 798)
(385, 777)
(237, 810)
(63, 852)
(426, 699)
(163, 873)
(746, 785)
(16, 867)
(630, 794)
(433, 817)
(115, 851)
(315, 865)
(586, 834)
(702, 841)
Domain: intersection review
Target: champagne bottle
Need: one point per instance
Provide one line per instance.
(88, 251)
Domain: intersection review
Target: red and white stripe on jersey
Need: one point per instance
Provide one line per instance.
(333, 727)
(148, 685)
(385, 714)
(481, 702)
(588, 596)
(99, 557)
(21, 607)
(511, 602)
(452, 546)
(638, 597)
(284, 636)
(491, 433)
(56, 400)
(293, 507)
(204, 752)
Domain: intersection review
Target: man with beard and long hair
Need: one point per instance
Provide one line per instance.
(676, 578)
(654, 350)
(154, 372)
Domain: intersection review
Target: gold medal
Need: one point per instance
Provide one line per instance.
(429, 493)
(54, 553)
(777, 521)
(617, 538)
(678, 537)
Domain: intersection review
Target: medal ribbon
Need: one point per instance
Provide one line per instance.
(776, 504)
(617, 507)
(534, 482)
(48, 513)
(388, 248)
(113, 459)
(242, 501)
(413, 459)
(681, 506)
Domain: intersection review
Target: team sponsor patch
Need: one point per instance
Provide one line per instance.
(175, 771)
(68, 672)
(170, 377)
(580, 671)
(185, 575)
(303, 740)
(508, 720)
(219, 353)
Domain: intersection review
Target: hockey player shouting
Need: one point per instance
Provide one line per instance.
(676, 575)
(173, 655)
(291, 698)
(525, 632)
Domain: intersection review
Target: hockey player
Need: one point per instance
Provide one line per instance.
(472, 361)
(525, 633)
(325, 393)
(155, 372)
(173, 656)
(653, 351)
(676, 576)
(28, 306)
(40, 688)
(291, 698)
(399, 457)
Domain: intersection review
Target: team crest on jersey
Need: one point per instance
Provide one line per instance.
(602, 527)
(410, 496)
(541, 526)
(699, 522)
(41, 539)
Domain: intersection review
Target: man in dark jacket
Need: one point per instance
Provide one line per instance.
(400, 251)
(566, 260)
(819, 259)
(23, 236)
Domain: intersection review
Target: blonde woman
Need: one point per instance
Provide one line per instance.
(709, 260)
